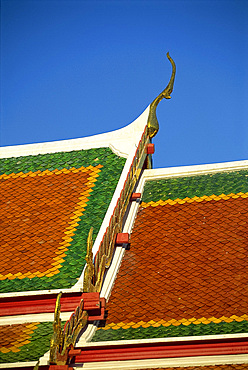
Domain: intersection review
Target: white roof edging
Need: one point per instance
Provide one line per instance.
(117, 139)
(36, 317)
(157, 173)
(10, 365)
(165, 362)
(164, 340)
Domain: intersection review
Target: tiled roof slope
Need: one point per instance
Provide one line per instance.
(24, 342)
(48, 204)
(186, 271)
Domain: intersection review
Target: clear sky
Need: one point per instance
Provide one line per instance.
(74, 68)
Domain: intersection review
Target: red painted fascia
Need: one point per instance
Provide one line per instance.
(160, 350)
(46, 304)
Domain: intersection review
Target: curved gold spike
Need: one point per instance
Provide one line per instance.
(57, 332)
(89, 270)
(152, 122)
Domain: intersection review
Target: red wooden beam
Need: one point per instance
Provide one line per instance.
(46, 304)
(161, 350)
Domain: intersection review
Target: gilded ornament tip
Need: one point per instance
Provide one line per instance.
(152, 122)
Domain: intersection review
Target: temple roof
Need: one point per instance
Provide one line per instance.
(50, 202)
(70, 212)
(53, 193)
(185, 273)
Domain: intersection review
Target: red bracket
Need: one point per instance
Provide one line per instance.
(135, 196)
(150, 149)
(74, 352)
(94, 305)
(122, 238)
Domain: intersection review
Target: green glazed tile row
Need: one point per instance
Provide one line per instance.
(38, 346)
(42, 162)
(170, 331)
(93, 215)
(182, 187)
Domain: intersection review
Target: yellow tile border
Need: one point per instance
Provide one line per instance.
(186, 322)
(69, 231)
(194, 199)
(22, 338)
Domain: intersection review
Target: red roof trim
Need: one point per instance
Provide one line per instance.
(46, 304)
(162, 350)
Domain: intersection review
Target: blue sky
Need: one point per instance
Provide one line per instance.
(74, 68)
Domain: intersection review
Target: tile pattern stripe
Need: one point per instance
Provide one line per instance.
(194, 199)
(174, 322)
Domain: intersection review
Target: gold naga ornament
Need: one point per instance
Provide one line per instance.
(65, 338)
(92, 280)
(152, 122)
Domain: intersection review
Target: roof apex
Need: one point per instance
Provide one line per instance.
(120, 141)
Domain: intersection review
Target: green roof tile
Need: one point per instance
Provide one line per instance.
(191, 186)
(170, 331)
(24, 342)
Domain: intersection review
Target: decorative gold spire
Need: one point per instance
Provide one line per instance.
(89, 270)
(64, 339)
(152, 122)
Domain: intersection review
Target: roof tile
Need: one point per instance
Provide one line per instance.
(50, 202)
(190, 280)
(24, 342)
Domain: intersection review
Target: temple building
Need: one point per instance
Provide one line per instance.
(107, 263)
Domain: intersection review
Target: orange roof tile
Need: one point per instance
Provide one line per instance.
(39, 219)
(46, 211)
(24, 342)
(185, 261)
(187, 266)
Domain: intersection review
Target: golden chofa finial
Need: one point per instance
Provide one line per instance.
(152, 122)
